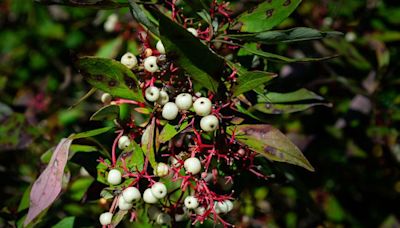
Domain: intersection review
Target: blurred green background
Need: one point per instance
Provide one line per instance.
(353, 145)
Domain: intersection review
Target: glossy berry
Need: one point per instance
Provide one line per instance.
(184, 101)
(192, 165)
(123, 204)
(223, 207)
(209, 123)
(202, 106)
(159, 190)
(163, 98)
(152, 93)
(129, 60)
(148, 196)
(150, 64)
(106, 98)
(105, 218)
(161, 170)
(131, 194)
(124, 142)
(170, 111)
(191, 202)
(114, 177)
(160, 47)
(193, 31)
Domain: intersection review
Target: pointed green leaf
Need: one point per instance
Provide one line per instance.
(136, 159)
(249, 80)
(285, 36)
(138, 13)
(267, 15)
(91, 133)
(269, 142)
(67, 222)
(110, 76)
(109, 112)
(192, 55)
(269, 108)
(295, 96)
(169, 131)
(275, 57)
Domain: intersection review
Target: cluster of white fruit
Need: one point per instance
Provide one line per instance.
(183, 102)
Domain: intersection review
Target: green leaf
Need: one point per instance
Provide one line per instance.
(269, 142)
(148, 142)
(249, 80)
(286, 36)
(111, 48)
(295, 96)
(192, 55)
(266, 15)
(275, 57)
(24, 203)
(67, 222)
(99, 4)
(138, 13)
(91, 133)
(169, 131)
(110, 76)
(79, 187)
(269, 108)
(109, 112)
(136, 159)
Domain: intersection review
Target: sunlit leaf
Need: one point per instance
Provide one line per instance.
(169, 131)
(266, 15)
(47, 187)
(110, 76)
(269, 142)
(91, 133)
(67, 222)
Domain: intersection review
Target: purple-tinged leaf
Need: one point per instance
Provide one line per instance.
(269, 142)
(47, 187)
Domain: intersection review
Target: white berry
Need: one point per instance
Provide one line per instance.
(150, 64)
(152, 93)
(161, 170)
(105, 218)
(170, 111)
(159, 190)
(124, 142)
(114, 177)
(148, 196)
(111, 22)
(131, 194)
(184, 101)
(192, 165)
(200, 210)
(202, 106)
(106, 98)
(223, 206)
(191, 202)
(193, 31)
(160, 47)
(163, 98)
(123, 204)
(129, 60)
(163, 219)
(209, 123)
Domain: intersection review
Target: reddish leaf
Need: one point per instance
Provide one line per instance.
(47, 187)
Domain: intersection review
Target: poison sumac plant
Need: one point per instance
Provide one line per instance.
(181, 109)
